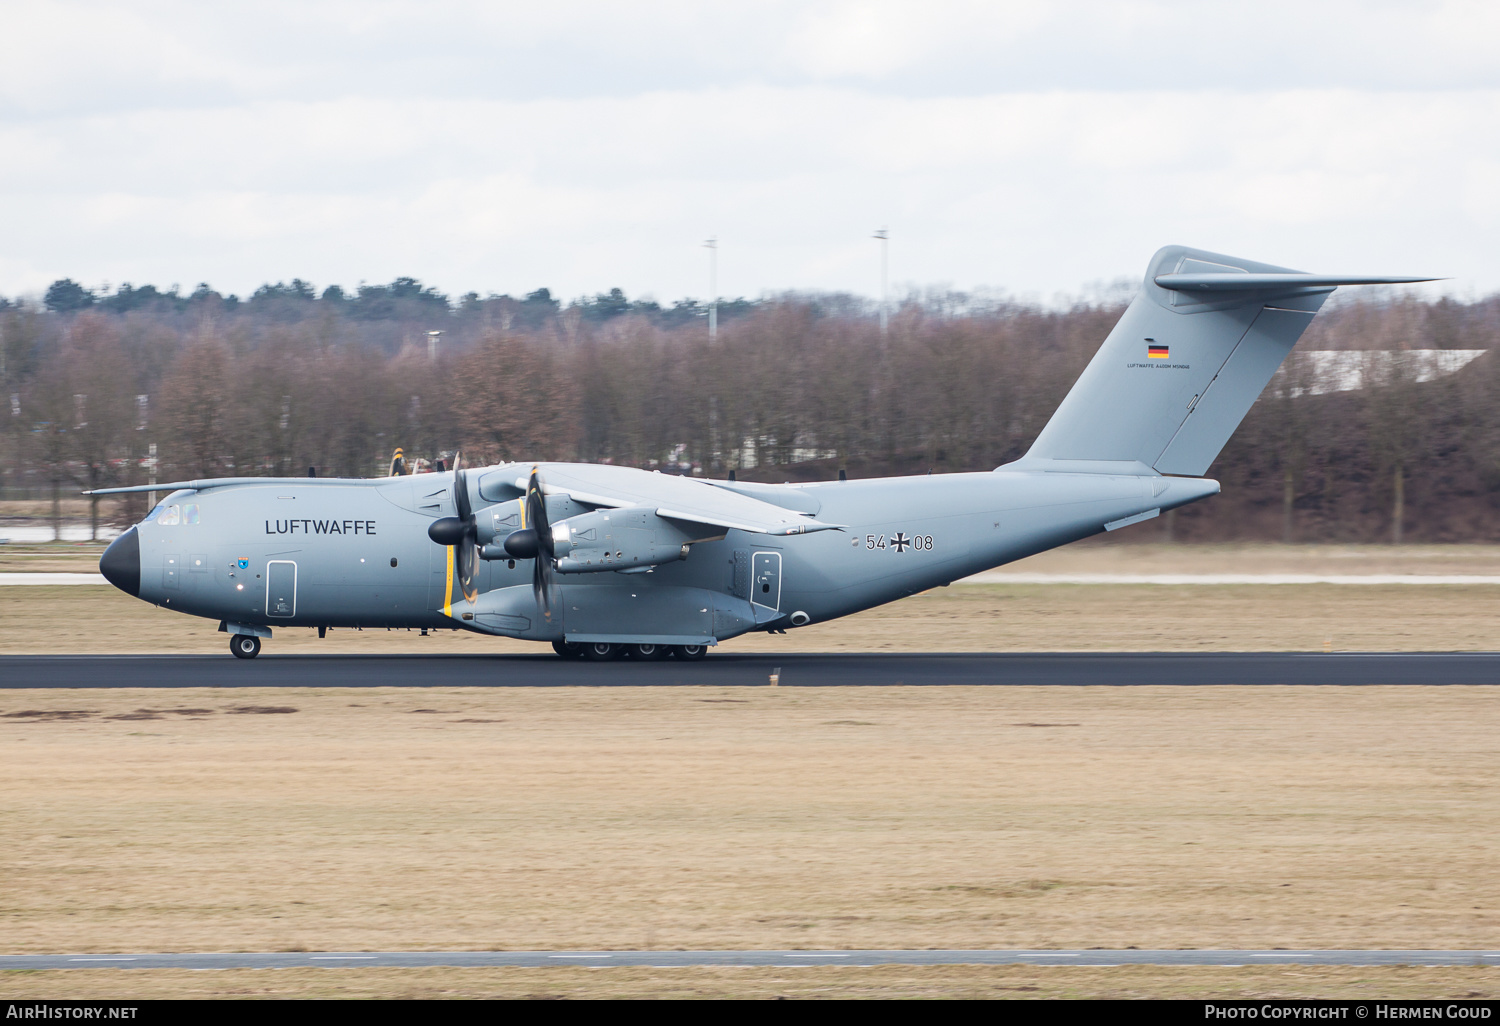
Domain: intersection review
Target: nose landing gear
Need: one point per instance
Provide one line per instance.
(244, 646)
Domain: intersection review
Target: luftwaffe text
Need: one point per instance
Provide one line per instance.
(320, 527)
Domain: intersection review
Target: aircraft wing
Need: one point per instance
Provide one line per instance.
(672, 497)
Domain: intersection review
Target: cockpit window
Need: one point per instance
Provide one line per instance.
(173, 515)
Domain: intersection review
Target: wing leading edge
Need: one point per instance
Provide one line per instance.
(671, 497)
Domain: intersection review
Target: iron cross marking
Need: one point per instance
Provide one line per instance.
(900, 541)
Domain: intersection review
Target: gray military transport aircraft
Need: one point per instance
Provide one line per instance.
(602, 561)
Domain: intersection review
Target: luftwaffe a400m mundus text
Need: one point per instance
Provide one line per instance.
(601, 560)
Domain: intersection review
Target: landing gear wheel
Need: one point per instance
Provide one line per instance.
(603, 651)
(648, 652)
(244, 646)
(690, 652)
(568, 649)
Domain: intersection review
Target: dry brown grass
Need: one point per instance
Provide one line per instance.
(50, 558)
(811, 982)
(749, 818)
(970, 618)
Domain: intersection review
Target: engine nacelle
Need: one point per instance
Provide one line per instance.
(617, 539)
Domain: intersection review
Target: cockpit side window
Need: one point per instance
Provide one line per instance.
(174, 514)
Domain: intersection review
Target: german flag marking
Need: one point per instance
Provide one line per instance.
(1158, 352)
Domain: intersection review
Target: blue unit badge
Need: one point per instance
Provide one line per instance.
(244, 564)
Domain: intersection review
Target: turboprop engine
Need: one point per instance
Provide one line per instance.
(622, 539)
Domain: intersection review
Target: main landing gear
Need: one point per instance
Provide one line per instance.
(244, 646)
(603, 651)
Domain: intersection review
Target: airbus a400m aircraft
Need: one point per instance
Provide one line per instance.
(603, 561)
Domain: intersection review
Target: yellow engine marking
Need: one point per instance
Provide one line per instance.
(448, 588)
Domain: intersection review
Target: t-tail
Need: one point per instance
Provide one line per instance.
(1184, 364)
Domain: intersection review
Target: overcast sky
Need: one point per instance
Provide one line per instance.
(1033, 148)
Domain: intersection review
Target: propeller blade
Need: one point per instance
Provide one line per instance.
(543, 583)
(468, 561)
(543, 586)
(461, 488)
(536, 512)
(466, 549)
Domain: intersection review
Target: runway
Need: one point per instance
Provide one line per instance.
(730, 670)
(780, 959)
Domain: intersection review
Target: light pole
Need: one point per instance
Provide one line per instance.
(150, 462)
(712, 245)
(432, 341)
(884, 235)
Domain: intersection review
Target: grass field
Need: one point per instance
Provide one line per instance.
(284, 819)
(810, 982)
(299, 819)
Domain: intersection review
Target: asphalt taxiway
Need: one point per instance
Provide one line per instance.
(785, 958)
(793, 670)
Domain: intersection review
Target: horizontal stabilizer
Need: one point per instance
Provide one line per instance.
(1220, 282)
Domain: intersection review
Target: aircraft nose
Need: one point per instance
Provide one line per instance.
(121, 563)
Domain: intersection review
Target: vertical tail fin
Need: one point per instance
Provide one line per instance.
(1186, 361)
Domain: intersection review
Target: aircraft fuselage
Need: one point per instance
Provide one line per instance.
(348, 553)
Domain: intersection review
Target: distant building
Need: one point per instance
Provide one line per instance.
(1320, 371)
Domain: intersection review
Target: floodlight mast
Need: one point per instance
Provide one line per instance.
(884, 235)
(712, 245)
(151, 465)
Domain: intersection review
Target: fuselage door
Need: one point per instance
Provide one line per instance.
(765, 588)
(281, 588)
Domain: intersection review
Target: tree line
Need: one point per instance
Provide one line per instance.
(792, 388)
